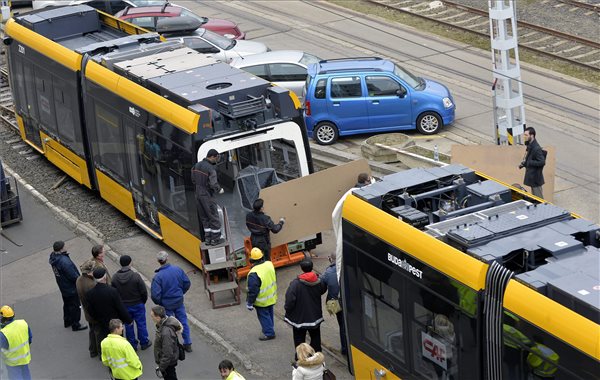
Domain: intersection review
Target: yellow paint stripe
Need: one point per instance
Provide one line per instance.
(554, 318)
(115, 194)
(428, 249)
(180, 117)
(122, 25)
(364, 366)
(21, 127)
(43, 45)
(67, 161)
(186, 244)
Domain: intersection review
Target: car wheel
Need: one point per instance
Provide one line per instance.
(429, 123)
(325, 133)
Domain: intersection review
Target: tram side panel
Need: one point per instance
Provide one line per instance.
(143, 165)
(47, 106)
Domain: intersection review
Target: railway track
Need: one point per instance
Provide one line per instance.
(535, 38)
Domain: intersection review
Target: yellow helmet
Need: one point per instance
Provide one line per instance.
(256, 254)
(7, 312)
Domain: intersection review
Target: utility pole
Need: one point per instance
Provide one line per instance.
(507, 90)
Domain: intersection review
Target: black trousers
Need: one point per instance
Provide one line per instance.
(71, 310)
(260, 242)
(94, 345)
(169, 373)
(315, 337)
(100, 332)
(209, 216)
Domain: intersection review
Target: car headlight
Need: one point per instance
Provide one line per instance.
(447, 103)
(229, 35)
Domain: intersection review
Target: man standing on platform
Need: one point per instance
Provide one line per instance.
(204, 176)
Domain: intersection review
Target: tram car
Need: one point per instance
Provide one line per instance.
(125, 113)
(449, 274)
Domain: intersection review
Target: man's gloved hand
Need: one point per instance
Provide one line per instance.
(221, 191)
(522, 165)
(282, 220)
(158, 373)
(249, 307)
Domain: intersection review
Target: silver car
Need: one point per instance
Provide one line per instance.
(285, 68)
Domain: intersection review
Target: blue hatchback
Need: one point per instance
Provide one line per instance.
(364, 95)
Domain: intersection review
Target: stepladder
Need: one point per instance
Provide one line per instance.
(219, 268)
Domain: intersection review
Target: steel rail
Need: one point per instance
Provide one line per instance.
(580, 4)
(484, 34)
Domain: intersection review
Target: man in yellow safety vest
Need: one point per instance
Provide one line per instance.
(118, 354)
(262, 292)
(15, 338)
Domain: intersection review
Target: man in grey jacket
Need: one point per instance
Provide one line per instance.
(166, 351)
(204, 177)
(134, 295)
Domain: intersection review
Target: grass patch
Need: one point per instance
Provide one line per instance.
(589, 75)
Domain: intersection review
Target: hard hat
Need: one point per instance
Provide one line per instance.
(7, 312)
(256, 254)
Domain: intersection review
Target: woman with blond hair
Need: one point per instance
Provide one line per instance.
(310, 364)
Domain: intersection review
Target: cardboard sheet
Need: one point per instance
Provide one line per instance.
(307, 203)
(502, 162)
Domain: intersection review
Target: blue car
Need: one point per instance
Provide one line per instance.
(364, 95)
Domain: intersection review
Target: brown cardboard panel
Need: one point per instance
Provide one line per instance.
(307, 203)
(502, 162)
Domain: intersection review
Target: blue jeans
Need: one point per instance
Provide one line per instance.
(265, 317)
(179, 313)
(138, 314)
(19, 372)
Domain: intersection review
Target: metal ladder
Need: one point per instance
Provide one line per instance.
(220, 276)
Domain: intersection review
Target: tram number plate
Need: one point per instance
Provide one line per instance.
(434, 350)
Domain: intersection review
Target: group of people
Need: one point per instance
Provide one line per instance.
(116, 304)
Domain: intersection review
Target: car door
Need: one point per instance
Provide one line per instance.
(388, 103)
(289, 75)
(346, 104)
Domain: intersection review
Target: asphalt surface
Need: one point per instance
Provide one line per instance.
(28, 285)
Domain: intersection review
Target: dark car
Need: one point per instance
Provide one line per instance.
(146, 17)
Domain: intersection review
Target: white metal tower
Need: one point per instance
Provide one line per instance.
(509, 109)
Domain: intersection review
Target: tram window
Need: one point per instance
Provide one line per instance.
(17, 75)
(45, 99)
(434, 343)
(110, 147)
(63, 104)
(284, 159)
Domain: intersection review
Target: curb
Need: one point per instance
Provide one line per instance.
(97, 238)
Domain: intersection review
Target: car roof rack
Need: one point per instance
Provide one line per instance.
(341, 70)
(351, 59)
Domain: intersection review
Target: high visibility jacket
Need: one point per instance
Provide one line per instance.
(118, 354)
(234, 375)
(17, 335)
(543, 360)
(267, 295)
(467, 297)
(513, 338)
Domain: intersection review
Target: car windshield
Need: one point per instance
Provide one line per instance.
(413, 81)
(185, 12)
(307, 59)
(218, 40)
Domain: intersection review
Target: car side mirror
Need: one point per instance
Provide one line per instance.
(401, 92)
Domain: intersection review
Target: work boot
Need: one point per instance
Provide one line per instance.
(187, 347)
(145, 346)
(79, 327)
(218, 241)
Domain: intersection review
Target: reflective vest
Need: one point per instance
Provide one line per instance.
(234, 375)
(543, 360)
(118, 354)
(17, 335)
(513, 338)
(267, 295)
(467, 297)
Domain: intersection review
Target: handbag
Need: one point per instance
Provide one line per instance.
(333, 306)
(328, 375)
(181, 351)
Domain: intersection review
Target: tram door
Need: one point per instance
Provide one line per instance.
(31, 123)
(144, 157)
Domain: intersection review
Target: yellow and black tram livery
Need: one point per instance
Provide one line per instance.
(449, 274)
(127, 114)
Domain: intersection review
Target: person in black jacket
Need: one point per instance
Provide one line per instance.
(204, 176)
(260, 225)
(303, 309)
(66, 274)
(134, 295)
(534, 162)
(166, 351)
(104, 304)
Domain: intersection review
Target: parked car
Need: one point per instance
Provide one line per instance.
(186, 30)
(364, 95)
(147, 17)
(285, 68)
